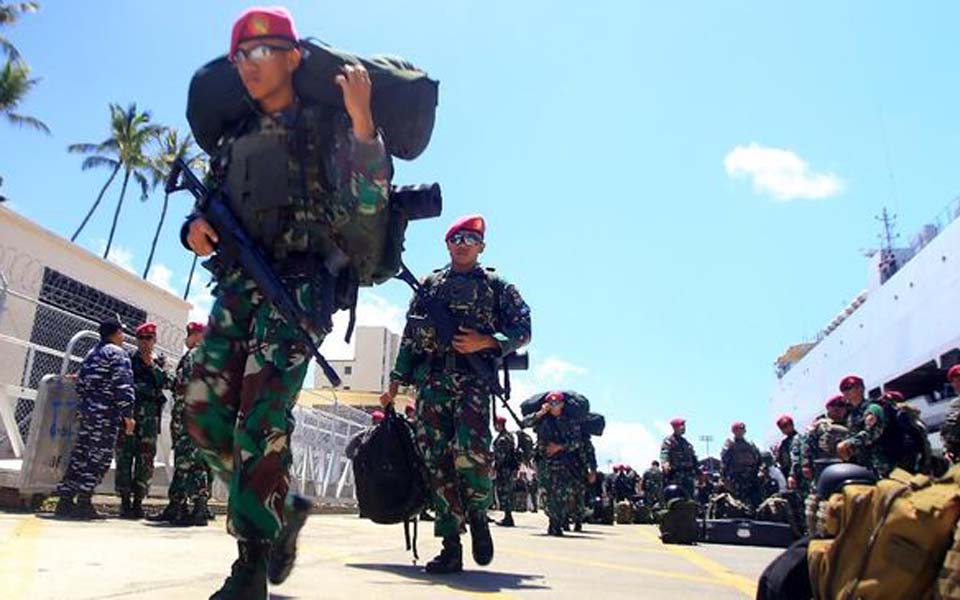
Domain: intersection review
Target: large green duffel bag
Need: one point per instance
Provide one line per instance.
(404, 99)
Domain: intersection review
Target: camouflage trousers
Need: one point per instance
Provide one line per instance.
(684, 478)
(557, 480)
(136, 452)
(453, 430)
(248, 371)
(579, 513)
(506, 493)
(92, 453)
(190, 472)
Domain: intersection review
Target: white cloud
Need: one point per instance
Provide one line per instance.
(556, 371)
(663, 428)
(627, 442)
(160, 275)
(780, 173)
(201, 300)
(372, 311)
(550, 373)
(119, 255)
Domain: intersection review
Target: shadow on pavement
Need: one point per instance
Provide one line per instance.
(467, 581)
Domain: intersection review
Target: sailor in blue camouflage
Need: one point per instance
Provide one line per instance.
(105, 391)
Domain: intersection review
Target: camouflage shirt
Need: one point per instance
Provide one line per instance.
(784, 460)
(105, 381)
(950, 430)
(820, 444)
(150, 380)
(678, 453)
(553, 430)
(740, 457)
(180, 381)
(479, 300)
(866, 424)
(652, 482)
(505, 452)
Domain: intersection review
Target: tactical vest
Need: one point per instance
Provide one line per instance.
(473, 299)
(681, 454)
(281, 182)
(743, 458)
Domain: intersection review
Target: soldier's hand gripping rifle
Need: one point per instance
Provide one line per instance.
(236, 244)
(440, 318)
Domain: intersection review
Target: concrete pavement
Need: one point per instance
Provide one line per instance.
(345, 557)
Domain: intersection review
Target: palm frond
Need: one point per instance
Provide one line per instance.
(93, 162)
(26, 121)
(143, 183)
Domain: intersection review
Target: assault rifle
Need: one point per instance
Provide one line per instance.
(237, 244)
(486, 368)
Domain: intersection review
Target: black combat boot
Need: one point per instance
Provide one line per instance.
(126, 507)
(555, 528)
(136, 509)
(578, 526)
(248, 575)
(172, 513)
(481, 543)
(65, 508)
(507, 520)
(198, 518)
(426, 516)
(84, 510)
(284, 550)
(450, 559)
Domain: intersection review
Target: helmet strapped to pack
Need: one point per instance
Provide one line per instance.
(834, 477)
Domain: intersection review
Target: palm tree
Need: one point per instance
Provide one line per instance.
(172, 146)
(9, 14)
(131, 132)
(15, 84)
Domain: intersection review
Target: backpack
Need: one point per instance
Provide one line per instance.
(576, 406)
(624, 512)
(678, 524)
(593, 424)
(404, 100)
(726, 506)
(390, 475)
(891, 538)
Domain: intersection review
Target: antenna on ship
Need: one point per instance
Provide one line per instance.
(888, 260)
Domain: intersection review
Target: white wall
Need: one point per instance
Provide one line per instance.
(375, 350)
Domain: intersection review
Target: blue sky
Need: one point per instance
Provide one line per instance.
(666, 269)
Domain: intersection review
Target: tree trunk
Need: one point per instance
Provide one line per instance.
(73, 238)
(190, 277)
(156, 235)
(116, 213)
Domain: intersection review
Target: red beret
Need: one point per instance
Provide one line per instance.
(677, 423)
(468, 223)
(953, 372)
(147, 329)
(894, 396)
(196, 326)
(262, 22)
(500, 420)
(738, 425)
(377, 416)
(410, 408)
(553, 396)
(783, 420)
(850, 381)
(836, 402)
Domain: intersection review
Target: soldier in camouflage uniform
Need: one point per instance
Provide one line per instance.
(679, 459)
(950, 430)
(296, 176)
(783, 458)
(506, 465)
(136, 451)
(866, 422)
(587, 463)
(453, 400)
(558, 465)
(741, 466)
(190, 476)
(106, 397)
(820, 451)
(652, 485)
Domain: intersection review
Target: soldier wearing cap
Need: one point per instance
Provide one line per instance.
(506, 466)
(866, 422)
(106, 397)
(950, 431)
(454, 404)
(137, 450)
(293, 173)
(190, 485)
(741, 466)
(679, 459)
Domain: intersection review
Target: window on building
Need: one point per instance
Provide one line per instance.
(348, 370)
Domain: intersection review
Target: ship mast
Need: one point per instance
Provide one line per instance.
(888, 260)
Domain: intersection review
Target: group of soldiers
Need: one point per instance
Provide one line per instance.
(121, 398)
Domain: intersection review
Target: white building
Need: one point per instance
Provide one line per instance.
(375, 350)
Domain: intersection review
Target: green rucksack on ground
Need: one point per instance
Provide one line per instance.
(678, 523)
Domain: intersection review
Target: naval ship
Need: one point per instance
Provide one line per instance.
(900, 333)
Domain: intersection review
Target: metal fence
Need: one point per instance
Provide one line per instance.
(35, 340)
